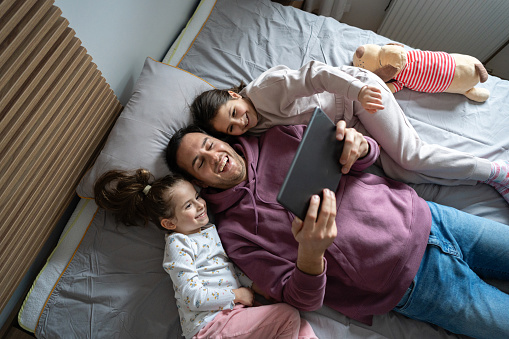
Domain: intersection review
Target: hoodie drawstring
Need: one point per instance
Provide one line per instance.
(253, 193)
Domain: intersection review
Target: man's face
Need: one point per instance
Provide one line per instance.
(211, 161)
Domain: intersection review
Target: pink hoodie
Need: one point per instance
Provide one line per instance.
(383, 227)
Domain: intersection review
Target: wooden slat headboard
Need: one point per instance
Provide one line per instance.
(55, 112)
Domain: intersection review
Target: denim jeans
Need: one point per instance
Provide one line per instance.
(448, 290)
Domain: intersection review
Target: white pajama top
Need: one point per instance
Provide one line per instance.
(203, 277)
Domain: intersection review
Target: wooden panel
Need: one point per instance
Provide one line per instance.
(56, 110)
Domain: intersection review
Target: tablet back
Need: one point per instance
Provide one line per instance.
(315, 165)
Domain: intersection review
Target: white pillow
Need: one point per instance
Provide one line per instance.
(158, 108)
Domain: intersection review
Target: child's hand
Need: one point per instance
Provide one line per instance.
(244, 296)
(370, 98)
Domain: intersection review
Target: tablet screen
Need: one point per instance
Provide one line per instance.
(315, 165)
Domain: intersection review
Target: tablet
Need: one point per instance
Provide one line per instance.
(315, 165)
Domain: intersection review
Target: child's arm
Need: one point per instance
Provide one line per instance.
(243, 278)
(370, 98)
(246, 282)
(243, 295)
(279, 89)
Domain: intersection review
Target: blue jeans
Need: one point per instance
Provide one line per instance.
(448, 290)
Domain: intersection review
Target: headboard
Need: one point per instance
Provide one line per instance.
(55, 112)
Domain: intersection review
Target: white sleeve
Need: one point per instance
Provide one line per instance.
(283, 86)
(243, 278)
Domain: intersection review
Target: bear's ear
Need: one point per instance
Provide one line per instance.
(386, 73)
(359, 52)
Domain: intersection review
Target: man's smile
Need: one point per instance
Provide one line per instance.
(223, 163)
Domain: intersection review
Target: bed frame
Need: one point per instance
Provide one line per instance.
(56, 110)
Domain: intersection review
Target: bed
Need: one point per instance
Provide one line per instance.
(105, 280)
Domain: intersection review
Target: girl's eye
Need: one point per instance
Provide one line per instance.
(230, 129)
(201, 164)
(188, 206)
(211, 144)
(234, 113)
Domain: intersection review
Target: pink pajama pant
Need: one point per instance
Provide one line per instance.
(268, 321)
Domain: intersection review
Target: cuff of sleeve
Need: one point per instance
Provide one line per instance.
(354, 89)
(311, 282)
(231, 304)
(306, 292)
(370, 158)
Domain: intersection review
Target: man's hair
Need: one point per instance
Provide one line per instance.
(174, 145)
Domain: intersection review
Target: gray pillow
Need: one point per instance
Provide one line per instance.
(156, 110)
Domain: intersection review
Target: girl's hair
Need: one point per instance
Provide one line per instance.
(136, 198)
(204, 108)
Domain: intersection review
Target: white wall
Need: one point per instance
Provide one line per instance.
(120, 34)
(365, 14)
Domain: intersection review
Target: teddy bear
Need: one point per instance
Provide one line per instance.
(424, 71)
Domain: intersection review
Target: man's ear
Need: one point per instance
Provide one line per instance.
(168, 224)
(199, 183)
(234, 95)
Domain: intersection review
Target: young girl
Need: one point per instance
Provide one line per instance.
(282, 96)
(210, 300)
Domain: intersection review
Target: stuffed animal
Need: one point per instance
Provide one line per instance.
(424, 71)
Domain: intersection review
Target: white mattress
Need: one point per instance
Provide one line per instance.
(57, 262)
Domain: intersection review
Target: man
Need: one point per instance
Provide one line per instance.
(359, 254)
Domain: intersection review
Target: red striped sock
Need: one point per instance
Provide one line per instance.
(499, 173)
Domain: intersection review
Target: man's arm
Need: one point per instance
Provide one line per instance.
(316, 233)
(277, 274)
(359, 151)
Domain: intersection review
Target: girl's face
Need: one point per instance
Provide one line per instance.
(235, 117)
(190, 209)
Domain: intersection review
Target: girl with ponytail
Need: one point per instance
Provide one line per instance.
(210, 298)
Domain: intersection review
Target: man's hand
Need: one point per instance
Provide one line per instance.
(355, 146)
(244, 296)
(316, 233)
(370, 98)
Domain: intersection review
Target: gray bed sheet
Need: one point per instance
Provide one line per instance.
(115, 286)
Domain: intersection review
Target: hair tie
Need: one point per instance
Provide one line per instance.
(146, 189)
